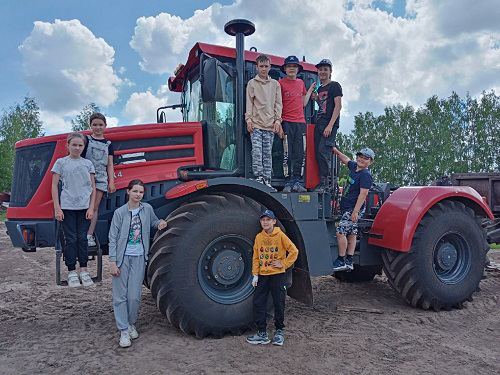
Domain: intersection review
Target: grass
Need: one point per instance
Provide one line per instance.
(495, 246)
(3, 215)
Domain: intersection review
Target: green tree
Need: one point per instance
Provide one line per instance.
(21, 121)
(82, 121)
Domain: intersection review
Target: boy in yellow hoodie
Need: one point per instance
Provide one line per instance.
(273, 253)
(263, 118)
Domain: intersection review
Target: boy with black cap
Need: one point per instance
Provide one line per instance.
(329, 99)
(352, 204)
(273, 253)
(295, 97)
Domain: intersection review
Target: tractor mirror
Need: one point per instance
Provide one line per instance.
(217, 78)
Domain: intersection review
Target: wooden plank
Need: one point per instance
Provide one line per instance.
(359, 309)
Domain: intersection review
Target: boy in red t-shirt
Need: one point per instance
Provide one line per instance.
(295, 97)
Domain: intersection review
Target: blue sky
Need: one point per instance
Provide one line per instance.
(119, 54)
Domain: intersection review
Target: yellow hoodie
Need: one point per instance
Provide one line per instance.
(274, 246)
(263, 103)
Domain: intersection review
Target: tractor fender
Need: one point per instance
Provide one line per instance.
(236, 185)
(398, 218)
(281, 204)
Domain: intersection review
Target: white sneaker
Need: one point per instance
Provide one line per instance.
(125, 340)
(73, 280)
(86, 279)
(132, 331)
(91, 241)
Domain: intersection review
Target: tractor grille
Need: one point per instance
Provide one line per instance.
(29, 169)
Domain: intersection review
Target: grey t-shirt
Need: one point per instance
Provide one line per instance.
(76, 183)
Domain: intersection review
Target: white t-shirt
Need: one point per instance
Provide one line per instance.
(134, 242)
(76, 183)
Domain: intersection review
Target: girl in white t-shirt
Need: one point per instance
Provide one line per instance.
(75, 207)
(129, 238)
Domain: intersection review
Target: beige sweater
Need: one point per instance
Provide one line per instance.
(263, 103)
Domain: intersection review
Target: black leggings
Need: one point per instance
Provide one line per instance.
(274, 284)
(75, 227)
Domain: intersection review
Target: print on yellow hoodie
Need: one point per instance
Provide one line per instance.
(269, 247)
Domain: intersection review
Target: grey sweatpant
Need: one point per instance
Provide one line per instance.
(127, 288)
(262, 144)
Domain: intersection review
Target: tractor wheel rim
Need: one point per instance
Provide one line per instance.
(452, 258)
(225, 269)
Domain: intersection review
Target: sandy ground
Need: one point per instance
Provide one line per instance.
(46, 329)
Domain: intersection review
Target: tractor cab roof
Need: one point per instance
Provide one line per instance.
(175, 83)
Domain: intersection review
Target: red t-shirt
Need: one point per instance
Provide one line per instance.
(292, 92)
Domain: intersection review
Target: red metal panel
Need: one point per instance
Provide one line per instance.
(41, 206)
(399, 216)
(175, 83)
(311, 170)
(185, 188)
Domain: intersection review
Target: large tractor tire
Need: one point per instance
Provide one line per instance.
(446, 260)
(200, 268)
(359, 274)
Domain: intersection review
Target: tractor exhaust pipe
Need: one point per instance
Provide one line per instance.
(240, 28)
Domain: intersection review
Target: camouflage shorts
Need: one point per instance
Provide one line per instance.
(346, 225)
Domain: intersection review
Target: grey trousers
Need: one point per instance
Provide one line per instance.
(262, 144)
(127, 290)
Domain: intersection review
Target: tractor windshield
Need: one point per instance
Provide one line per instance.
(219, 114)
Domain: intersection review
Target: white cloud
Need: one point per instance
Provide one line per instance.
(141, 106)
(112, 122)
(378, 58)
(67, 67)
(54, 124)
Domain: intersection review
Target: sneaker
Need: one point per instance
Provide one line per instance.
(86, 279)
(299, 188)
(339, 265)
(349, 264)
(267, 182)
(73, 280)
(287, 188)
(259, 338)
(321, 186)
(260, 179)
(125, 341)
(132, 331)
(278, 338)
(91, 241)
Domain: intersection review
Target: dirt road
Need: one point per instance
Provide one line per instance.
(46, 329)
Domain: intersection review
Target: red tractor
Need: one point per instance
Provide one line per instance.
(428, 240)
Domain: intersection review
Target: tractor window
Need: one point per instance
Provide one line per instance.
(192, 99)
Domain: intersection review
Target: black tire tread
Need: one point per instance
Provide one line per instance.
(401, 268)
(163, 253)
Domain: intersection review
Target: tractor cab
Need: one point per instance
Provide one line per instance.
(208, 87)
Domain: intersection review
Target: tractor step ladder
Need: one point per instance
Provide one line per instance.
(93, 252)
